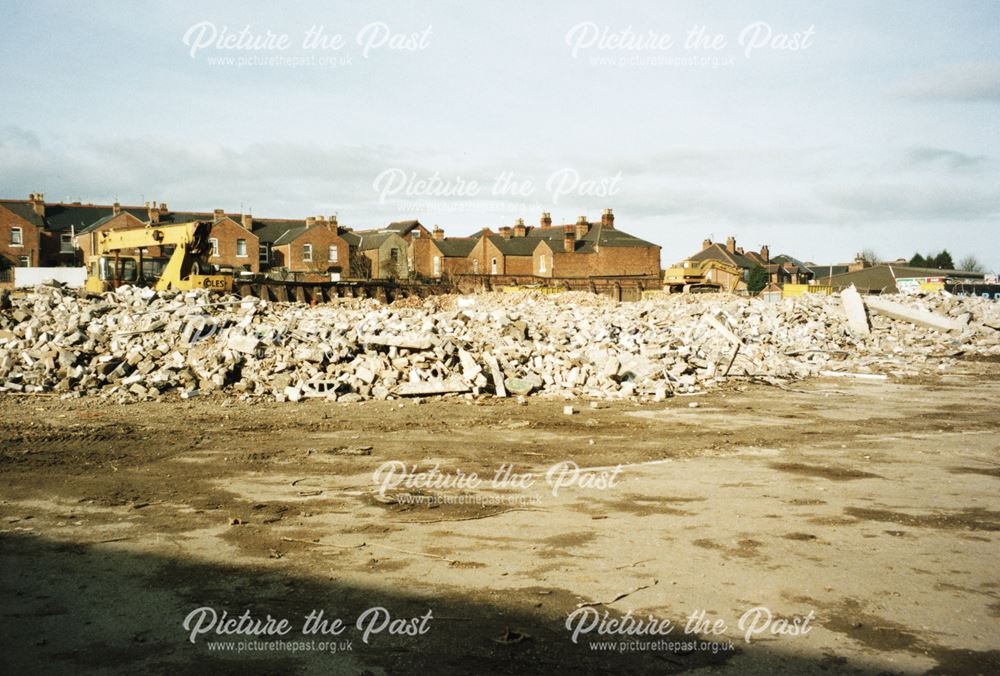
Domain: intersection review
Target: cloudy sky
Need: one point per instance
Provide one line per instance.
(816, 130)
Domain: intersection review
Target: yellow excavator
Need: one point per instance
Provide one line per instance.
(110, 267)
(700, 277)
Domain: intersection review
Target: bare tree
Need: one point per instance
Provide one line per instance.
(869, 256)
(971, 264)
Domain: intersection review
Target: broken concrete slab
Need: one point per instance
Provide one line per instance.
(424, 389)
(924, 318)
(854, 308)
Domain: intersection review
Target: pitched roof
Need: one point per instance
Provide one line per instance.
(270, 229)
(101, 221)
(59, 217)
(23, 210)
(457, 247)
(883, 277)
(514, 246)
(289, 235)
(368, 240)
(825, 271)
(718, 252)
(403, 227)
(603, 235)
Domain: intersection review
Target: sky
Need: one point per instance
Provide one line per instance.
(819, 130)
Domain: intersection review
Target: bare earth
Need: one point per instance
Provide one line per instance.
(873, 506)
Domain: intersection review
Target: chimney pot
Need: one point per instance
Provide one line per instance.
(310, 221)
(731, 244)
(608, 218)
(437, 233)
(705, 243)
(546, 221)
(247, 221)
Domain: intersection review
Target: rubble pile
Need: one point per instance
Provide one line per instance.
(136, 344)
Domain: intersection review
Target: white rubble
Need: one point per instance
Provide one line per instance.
(136, 345)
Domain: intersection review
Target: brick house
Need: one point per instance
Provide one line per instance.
(316, 245)
(387, 253)
(780, 271)
(20, 236)
(234, 245)
(580, 250)
(445, 256)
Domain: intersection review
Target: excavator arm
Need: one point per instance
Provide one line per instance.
(183, 269)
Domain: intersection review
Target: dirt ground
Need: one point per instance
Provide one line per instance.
(865, 513)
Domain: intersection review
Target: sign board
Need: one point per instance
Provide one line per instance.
(912, 286)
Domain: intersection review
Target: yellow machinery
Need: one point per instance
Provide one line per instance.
(700, 277)
(182, 271)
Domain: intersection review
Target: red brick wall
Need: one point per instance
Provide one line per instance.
(123, 221)
(321, 237)
(228, 232)
(30, 241)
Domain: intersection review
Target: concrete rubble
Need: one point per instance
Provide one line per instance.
(135, 344)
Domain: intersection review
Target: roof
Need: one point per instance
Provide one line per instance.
(825, 271)
(101, 221)
(270, 229)
(373, 240)
(457, 247)
(23, 210)
(59, 217)
(718, 252)
(514, 246)
(882, 278)
(604, 235)
(289, 235)
(403, 227)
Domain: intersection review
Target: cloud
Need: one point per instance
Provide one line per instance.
(966, 83)
(924, 155)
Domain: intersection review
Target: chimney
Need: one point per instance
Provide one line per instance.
(219, 213)
(310, 221)
(765, 253)
(116, 208)
(437, 233)
(569, 238)
(153, 212)
(247, 221)
(546, 219)
(333, 219)
(37, 200)
(705, 243)
(581, 227)
(739, 250)
(731, 244)
(608, 219)
(519, 228)
(505, 232)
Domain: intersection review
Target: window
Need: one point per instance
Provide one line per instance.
(332, 257)
(264, 254)
(66, 243)
(541, 263)
(215, 246)
(437, 266)
(475, 266)
(25, 261)
(416, 233)
(493, 266)
(241, 248)
(394, 255)
(16, 237)
(307, 253)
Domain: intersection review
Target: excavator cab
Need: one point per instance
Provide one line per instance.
(109, 272)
